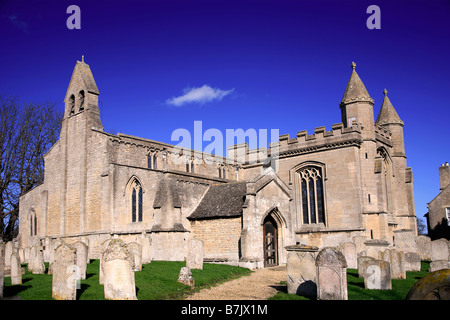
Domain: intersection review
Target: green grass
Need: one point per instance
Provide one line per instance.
(356, 291)
(156, 281)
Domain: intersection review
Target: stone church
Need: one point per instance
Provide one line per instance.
(327, 188)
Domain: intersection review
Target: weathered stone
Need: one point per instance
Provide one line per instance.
(136, 250)
(16, 272)
(331, 275)
(82, 254)
(439, 250)
(439, 265)
(301, 270)
(362, 264)
(185, 277)
(411, 261)
(395, 259)
(374, 247)
(404, 240)
(65, 273)
(377, 275)
(434, 286)
(145, 241)
(349, 251)
(117, 265)
(9, 249)
(37, 260)
(423, 247)
(194, 258)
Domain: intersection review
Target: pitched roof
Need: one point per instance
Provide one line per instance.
(88, 78)
(221, 200)
(387, 114)
(355, 90)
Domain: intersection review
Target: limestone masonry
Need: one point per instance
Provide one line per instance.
(350, 184)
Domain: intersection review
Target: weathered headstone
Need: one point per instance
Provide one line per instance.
(439, 250)
(145, 241)
(301, 270)
(331, 275)
(65, 275)
(360, 246)
(362, 264)
(439, 265)
(8, 252)
(423, 247)
(404, 240)
(185, 277)
(349, 251)
(53, 245)
(37, 260)
(374, 247)
(411, 261)
(434, 286)
(82, 253)
(16, 272)
(194, 258)
(136, 250)
(117, 264)
(395, 259)
(377, 275)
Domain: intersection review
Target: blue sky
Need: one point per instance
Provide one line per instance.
(262, 64)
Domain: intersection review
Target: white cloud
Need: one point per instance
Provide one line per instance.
(199, 95)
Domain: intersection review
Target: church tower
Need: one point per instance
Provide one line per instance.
(81, 115)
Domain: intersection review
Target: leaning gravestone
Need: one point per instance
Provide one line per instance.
(194, 258)
(185, 277)
(136, 250)
(117, 265)
(377, 275)
(434, 286)
(65, 273)
(331, 275)
(16, 271)
(301, 270)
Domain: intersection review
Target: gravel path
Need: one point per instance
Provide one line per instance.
(259, 285)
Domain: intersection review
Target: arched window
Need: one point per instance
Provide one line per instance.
(72, 104)
(81, 98)
(136, 202)
(312, 195)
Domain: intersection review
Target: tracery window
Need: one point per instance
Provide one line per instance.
(136, 202)
(312, 195)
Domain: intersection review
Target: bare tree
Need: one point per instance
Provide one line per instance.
(26, 134)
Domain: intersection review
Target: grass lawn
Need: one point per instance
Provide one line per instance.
(356, 291)
(156, 281)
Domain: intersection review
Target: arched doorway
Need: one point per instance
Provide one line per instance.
(270, 242)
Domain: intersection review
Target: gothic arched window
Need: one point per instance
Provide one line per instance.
(81, 98)
(136, 202)
(312, 195)
(72, 104)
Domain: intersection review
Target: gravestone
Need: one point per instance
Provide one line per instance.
(301, 270)
(16, 272)
(37, 260)
(395, 259)
(360, 246)
(82, 257)
(103, 246)
(404, 240)
(374, 247)
(185, 277)
(349, 251)
(377, 275)
(434, 286)
(439, 250)
(439, 265)
(2, 267)
(53, 245)
(194, 258)
(331, 275)
(65, 273)
(423, 247)
(411, 261)
(136, 250)
(117, 265)
(145, 241)
(9, 248)
(362, 264)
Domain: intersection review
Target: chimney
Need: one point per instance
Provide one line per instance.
(444, 175)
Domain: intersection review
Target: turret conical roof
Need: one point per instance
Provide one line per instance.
(355, 91)
(387, 114)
